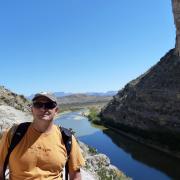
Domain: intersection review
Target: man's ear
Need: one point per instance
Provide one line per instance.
(57, 110)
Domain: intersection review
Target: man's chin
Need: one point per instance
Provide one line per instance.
(45, 118)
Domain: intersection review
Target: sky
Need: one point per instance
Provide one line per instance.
(81, 45)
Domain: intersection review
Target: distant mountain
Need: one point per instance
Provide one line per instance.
(30, 97)
(63, 94)
(108, 93)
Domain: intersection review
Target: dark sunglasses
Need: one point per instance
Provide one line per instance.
(47, 105)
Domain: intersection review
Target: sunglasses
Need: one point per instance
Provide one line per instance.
(47, 105)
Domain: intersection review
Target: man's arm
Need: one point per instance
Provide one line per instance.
(75, 175)
(1, 173)
(75, 161)
(4, 144)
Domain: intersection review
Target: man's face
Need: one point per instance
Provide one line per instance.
(43, 109)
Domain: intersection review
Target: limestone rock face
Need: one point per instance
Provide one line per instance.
(149, 105)
(176, 12)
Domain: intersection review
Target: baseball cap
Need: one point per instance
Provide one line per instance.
(45, 94)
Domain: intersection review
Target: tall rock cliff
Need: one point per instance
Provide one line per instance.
(149, 105)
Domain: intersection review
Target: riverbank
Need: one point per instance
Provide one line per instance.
(94, 118)
(146, 142)
(62, 113)
(99, 165)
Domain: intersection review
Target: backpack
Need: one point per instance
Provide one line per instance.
(20, 131)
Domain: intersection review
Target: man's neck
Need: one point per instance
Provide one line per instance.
(43, 126)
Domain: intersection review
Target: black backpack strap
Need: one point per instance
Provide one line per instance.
(67, 139)
(16, 138)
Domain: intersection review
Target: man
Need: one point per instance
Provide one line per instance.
(41, 154)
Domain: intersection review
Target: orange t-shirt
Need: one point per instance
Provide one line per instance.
(40, 155)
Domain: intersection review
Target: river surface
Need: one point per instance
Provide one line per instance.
(134, 159)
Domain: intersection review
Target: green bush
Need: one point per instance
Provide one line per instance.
(92, 150)
(94, 115)
(110, 174)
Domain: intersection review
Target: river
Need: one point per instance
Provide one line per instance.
(134, 159)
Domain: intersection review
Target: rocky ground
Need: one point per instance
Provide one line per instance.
(9, 115)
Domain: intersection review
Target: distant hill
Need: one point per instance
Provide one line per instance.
(79, 101)
(83, 98)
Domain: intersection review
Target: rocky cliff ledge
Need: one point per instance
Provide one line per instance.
(99, 165)
(14, 100)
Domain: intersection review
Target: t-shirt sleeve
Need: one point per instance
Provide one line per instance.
(76, 159)
(4, 144)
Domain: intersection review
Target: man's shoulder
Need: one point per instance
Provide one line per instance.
(21, 126)
(12, 130)
(64, 131)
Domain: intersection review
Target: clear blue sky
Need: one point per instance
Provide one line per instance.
(81, 45)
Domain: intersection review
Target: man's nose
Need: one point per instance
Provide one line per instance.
(43, 108)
